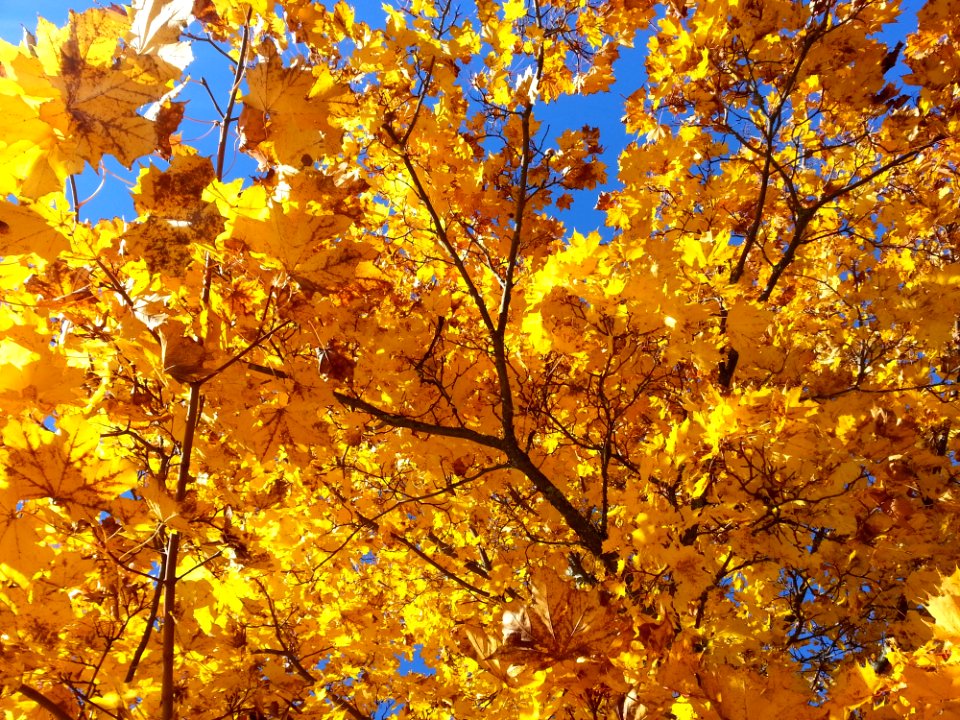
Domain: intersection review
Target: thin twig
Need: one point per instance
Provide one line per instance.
(206, 86)
(442, 570)
(295, 661)
(200, 564)
(122, 292)
(236, 358)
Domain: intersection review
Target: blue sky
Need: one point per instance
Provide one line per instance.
(15, 15)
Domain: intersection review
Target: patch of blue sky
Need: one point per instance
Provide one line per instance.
(387, 708)
(414, 663)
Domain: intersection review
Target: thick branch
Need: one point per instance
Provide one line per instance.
(753, 232)
(589, 535)
(397, 420)
(503, 315)
(151, 618)
(705, 595)
(169, 580)
(43, 701)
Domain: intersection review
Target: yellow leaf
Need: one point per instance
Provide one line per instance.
(101, 90)
(298, 106)
(156, 29)
(945, 608)
(71, 466)
(25, 231)
(683, 710)
(204, 618)
(514, 9)
(702, 68)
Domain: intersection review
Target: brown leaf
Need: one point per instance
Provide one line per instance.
(183, 356)
(102, 87)
(568, 622)
(168, 120)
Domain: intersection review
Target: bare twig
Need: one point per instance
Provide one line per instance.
(442, 570)
(294, 659)
(239, 356)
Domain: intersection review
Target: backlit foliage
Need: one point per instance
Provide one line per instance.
(346, 388)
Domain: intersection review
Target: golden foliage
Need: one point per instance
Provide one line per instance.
(377, 428)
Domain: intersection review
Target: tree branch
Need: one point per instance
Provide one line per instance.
(239, 356)
(297, 664)
(441, 232)
(503, 315)
(234, 90)
(442, 570)
(589, 536)
(397, 420)
(807, 214)
(43, 701)
(151, 618)
(169, 580)
(773, 125)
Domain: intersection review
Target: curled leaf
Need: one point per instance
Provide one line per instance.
(184, 357)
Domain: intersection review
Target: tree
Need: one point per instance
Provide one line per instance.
(275, 437)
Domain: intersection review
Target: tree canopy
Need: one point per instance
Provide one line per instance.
(372, 428)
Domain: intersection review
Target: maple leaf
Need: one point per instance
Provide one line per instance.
(36, 375)
(24, 544)
(184, 358)
(945, 609)
(68, 466)
(175, 218)
(100, 90)
(155, 30)
(298, 107)
(311, 242)
(27, 230)
(570, 622)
